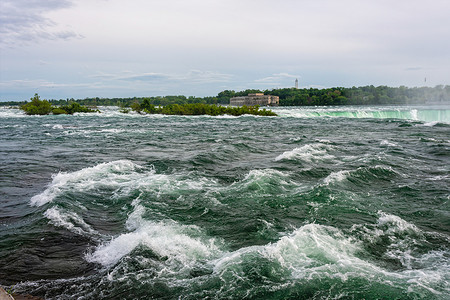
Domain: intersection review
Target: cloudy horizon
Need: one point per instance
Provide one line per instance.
(112, 48)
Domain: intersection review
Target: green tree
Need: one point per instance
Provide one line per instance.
(37, 106)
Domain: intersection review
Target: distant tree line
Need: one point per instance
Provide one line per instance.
(366, 95)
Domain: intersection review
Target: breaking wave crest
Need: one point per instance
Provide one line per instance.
(362, 175)
(105, 174)
(308, 153)
(179, 246)
(115, 179)
(324, 255)
(261, 181)
(70, 220)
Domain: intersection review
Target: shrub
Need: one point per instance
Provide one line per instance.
(76, 107)
(59, 111)
(37, 106)
(136, 107)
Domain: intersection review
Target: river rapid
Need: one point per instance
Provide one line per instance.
(317, 203)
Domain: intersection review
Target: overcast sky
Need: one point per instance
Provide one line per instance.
(118, 48)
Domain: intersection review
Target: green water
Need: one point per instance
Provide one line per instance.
(318, 203)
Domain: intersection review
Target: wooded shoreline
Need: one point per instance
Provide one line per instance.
(366, 95)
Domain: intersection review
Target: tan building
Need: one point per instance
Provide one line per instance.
(256, 99)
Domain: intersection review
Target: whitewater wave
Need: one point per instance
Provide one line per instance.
(104, 174)
(261, 179)
(431, 124)
(323, 253)
(388, 143)
(171, 249)
(95, 132)
(336, 177)
(11, 113)
(119, 178)
(312, 247)
(361, 175)
(69, 220)
(403, 113)
(401, 241)
(310, 253)
(308, 153)
(181, 255)
(108, 188)
(168, 240)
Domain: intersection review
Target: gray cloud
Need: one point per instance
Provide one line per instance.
(277, 78)
(193, 76)
(197, 76)
(23, 21)
(145, 77)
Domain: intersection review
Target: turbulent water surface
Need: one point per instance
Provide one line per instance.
(318, 203)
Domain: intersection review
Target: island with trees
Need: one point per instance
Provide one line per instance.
(44, 107)
(196, 109)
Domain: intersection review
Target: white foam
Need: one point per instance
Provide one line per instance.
(403, 239)
(395, 224)
(296, 139)
(119, 179)
(387, 143)
(308, 153)
(225, 117)
(431, 124)
(388, 225)
(111, 130)
(90, 132)
(310, 251)
(323, 252)
(439, 177)
(323, 141)
(11, 113)
(182, 245)
(260, 180)
(258, 174)
(108, 174)
(342, 175)
(68, 220)
(336, 177)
